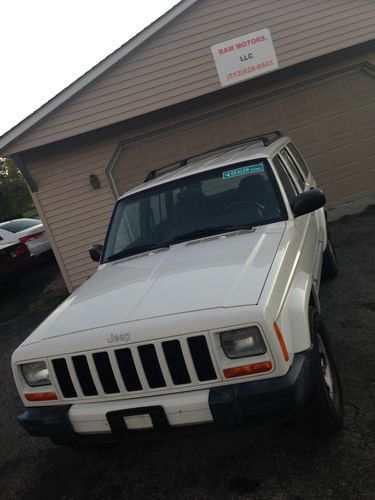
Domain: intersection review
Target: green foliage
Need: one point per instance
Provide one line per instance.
(15, 198)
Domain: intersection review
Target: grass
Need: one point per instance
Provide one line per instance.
(29, 213)
(51, 297)
(48, 301)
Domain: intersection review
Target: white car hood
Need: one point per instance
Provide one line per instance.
(215, 272)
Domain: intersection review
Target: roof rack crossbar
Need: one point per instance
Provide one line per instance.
(267, 139)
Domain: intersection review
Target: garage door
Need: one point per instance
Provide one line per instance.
(331, 120)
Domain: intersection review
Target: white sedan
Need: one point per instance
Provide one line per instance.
(27, 231)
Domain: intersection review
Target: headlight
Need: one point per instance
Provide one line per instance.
(36, 374)
(242, 343)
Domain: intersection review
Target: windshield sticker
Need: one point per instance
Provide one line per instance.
(228, 174)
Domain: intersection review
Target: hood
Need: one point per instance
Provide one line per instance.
(214, 272)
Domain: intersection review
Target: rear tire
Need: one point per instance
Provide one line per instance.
(324, 411)
(330, 267)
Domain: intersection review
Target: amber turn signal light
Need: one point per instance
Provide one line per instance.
(41, 396)
(281, 341)
(240, 371)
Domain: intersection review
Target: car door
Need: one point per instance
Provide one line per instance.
(301, 165)
(306, 242)
(301, 173)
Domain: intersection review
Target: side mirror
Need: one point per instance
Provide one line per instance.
(96, 252)
(308, 202)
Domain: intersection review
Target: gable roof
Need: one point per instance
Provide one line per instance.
(93, 73)
(150, 73)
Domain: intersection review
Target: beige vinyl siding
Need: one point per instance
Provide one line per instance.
(327, 107)
(176, 64)
(76, 214)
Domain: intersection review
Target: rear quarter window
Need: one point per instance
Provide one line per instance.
(15, 226)
(285, 180)
(291, 165)
(299, 159)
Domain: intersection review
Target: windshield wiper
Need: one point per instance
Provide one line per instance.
(208, 231)
(127, 252)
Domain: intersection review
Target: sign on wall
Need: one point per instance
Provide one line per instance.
(244, 57)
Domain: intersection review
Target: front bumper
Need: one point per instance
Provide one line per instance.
(268, 400)
(50, 421)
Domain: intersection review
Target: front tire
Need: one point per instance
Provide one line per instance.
(324, 411)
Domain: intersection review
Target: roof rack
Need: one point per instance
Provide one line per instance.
(267, 139)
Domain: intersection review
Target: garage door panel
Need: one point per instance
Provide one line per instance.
(133, 154)
(307, 152)
(130, 156)
(306, 136)
(328, 143)
(128, 162)
(233, 127)
(199, 138)
(365, 116)
(296, 104)
(331, 121)
(360, 83)
(361, 100)
(126, 183)
(341, 156)
(138, 176)
(368, 145)
(370, 176)
(351, 185)
(329, 95)
(265, 116)
(337, 125)
(317, 164)
(346, 171)
(163, 150)
(328, 189)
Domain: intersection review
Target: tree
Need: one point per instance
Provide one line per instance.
(15, 198)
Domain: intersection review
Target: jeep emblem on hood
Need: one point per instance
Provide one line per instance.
(123, 337)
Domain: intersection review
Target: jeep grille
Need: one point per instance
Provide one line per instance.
(162, 365)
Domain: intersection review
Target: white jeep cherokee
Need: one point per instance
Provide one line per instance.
(204, 308)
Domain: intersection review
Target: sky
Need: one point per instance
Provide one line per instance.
(47, 44)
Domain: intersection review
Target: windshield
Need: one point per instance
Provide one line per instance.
(225, 199)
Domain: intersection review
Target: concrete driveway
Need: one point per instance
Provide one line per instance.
(270, 463)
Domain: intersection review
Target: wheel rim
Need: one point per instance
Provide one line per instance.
(326, 370)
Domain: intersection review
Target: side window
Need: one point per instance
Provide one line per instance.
(285, 179)
(292, 167)
(298, 158)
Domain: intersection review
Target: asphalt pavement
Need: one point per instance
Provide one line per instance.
(262, 463)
